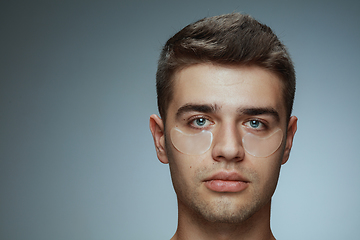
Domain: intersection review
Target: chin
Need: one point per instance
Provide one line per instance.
(223, 211)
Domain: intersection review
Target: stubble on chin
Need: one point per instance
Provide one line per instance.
(214, 207)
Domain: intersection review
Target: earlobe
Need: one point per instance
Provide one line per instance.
(292, 127)
(157, 130)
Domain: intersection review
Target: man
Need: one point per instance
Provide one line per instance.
(225, 88)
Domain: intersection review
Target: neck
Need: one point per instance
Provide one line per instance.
(192, 226)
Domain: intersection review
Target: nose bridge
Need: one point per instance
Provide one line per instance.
(229, 132)
(228, 142)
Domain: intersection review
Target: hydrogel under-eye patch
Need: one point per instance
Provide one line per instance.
(262, 146)
(199, 143)
(191, 144)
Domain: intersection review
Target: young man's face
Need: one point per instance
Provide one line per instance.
(225, 183)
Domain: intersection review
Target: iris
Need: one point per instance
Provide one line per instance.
(254, 123)
(200, 122)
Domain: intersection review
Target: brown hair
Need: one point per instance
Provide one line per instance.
(227, 39)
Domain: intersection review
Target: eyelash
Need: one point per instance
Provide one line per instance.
(263, 125)
(193, 119)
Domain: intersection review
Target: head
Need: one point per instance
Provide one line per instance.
(231, 77)
(231, 39)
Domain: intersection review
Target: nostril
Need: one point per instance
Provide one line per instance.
(229, 149)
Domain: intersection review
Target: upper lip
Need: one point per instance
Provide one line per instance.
(227, 176)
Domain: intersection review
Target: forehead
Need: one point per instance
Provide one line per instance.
(229, 87)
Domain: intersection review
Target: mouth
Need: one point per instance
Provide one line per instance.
(226, 182)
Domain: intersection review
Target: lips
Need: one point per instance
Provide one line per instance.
(226, 182)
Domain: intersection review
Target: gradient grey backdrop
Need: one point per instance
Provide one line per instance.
(77, 89)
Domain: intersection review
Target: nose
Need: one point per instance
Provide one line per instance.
(228, 144)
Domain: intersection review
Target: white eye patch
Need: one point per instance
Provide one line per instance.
(199, 143)
(191, 144)
(262, 146)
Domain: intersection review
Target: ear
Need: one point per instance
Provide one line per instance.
(292, 127)
(157, 130)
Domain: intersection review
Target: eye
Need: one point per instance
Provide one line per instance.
(255, 124)
(200, 122)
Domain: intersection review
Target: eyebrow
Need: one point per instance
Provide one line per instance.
(204, 108)
(212, 108)
(260, 111)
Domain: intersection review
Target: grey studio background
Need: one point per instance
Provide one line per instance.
(77, 89)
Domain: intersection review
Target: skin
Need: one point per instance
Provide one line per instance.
(228, 92)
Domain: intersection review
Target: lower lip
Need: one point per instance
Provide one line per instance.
(226, 186)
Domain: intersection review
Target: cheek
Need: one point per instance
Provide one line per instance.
(268, 170)
(183, 168)
(184, 177)
(264, 186)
